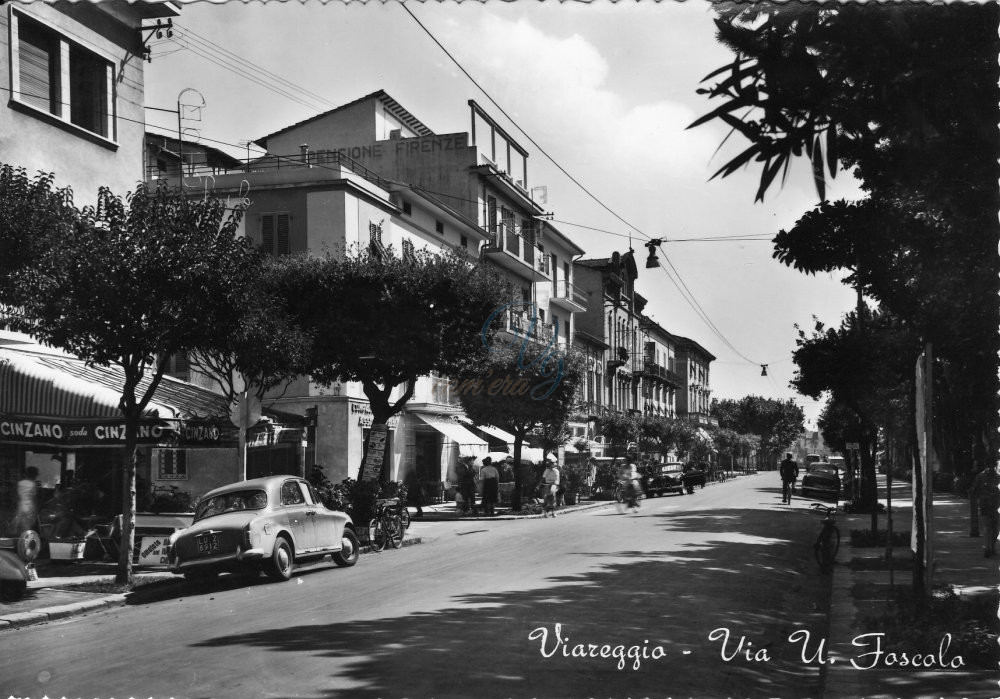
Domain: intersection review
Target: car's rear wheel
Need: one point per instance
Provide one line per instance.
(280, 565)
(12, 590)
(349, 551)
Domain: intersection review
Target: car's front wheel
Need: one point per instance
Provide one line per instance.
(349, 551)
(280, 565)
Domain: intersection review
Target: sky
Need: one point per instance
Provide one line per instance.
(605, 90)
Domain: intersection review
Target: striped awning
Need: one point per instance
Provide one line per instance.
(46, 384)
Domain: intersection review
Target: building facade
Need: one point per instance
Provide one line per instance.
(73, 74)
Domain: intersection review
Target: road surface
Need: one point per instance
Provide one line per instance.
(589, 604)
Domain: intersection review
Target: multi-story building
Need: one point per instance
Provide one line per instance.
(617, 322)
(695, 396)
(660, 381)
(371, 173)
(73, 74)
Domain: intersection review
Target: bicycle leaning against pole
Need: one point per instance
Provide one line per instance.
(828, 542)
(387, 525)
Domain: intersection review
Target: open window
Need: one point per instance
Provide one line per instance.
(60, 78)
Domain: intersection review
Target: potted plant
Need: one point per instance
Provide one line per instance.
(574, 479)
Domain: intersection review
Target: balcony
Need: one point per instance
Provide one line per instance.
(654, 370)
(518, 323)
(510, 250)
(568, 297)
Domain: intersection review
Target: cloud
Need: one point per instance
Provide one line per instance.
(557, 89)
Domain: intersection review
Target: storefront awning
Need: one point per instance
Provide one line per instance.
(453, 431)
(49, 398)
(494, 432)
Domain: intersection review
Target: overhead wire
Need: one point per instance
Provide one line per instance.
(678, 282)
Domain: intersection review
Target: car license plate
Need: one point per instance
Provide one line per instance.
(208, 543)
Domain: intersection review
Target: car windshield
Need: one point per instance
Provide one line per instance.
(672, 469)
(823, 470)
(231, 502)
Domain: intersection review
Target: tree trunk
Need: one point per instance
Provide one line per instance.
(515, 497)
(124, 573)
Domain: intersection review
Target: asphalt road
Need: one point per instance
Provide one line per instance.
(476, 611)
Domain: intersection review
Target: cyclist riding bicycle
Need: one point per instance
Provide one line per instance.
(789, 471)
(628, 476)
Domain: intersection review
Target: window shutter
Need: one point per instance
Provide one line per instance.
(267, 233)
(283, 247)
(38, 62)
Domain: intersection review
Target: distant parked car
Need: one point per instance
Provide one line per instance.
(664, 478)
(266, 523)
(821, 478)
(694, 475)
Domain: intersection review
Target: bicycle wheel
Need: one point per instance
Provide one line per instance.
(377, 534)
(404, 514)
(394, 530)
(619, 493)
(826, 547)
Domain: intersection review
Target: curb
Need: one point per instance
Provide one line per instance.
(65, 611)
(40, 616)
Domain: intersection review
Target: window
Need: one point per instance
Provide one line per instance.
(375, 245)
(407, 208)
(274, 233)
(463, 241)
(439, 228)
(60, 77)
(291, 493)
(173, 464)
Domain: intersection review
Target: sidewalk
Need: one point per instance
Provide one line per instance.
(861, 589)
(55, 594)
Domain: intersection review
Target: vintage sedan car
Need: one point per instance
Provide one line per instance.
(267, 523)
(664, 478)
(821, 478)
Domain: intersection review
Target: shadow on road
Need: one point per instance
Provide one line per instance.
(742, 570)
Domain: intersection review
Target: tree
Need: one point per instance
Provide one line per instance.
(520, 387)
(776, 423)
(385, 321)
(549, 436)
(884, 91)
(130, 284)
(619, 431)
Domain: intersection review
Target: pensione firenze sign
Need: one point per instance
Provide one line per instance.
(102, 433)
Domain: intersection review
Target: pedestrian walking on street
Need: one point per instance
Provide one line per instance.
(985, 492)
(415, 492)
(490, 478)
(550, 483)
(789, 471)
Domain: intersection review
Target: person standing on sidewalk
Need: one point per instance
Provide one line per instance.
(467, 483)
(490, 478)
(789, 471)
(550, 481)
(27, 501)
(985, 492)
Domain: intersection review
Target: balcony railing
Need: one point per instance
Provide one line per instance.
(656, 371)
(197, 166)
(505, 238)
(570, 292)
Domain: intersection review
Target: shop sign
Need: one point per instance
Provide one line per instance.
(377, 439)
(97, 433)
(365, 418)
(153, 550)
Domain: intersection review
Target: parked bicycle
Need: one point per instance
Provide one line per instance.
(387, 524)
(828, 542)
